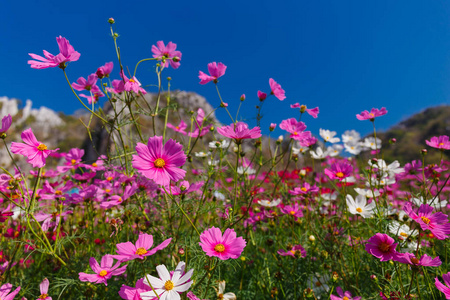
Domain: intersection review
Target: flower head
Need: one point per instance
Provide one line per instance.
(382, 246)
(167, 54)
(444, 288)
(437, 223)
(105, 70)
(442, 142)
(221, 292)
(343, 296)
(35, 151)
(6, 123)
(89, 85)
(104, 271)
(216, 70)
(239, 132)
(360, 206)
(425, 260)
(276, 90)
(160, 162)
(295, 251)
(224, 246)
(168, 286)
(128, 251)
(130, 293)
(44, 290)
(375, 112)
(339, 170)
(262, 96)
(5, 291)
(67, 54)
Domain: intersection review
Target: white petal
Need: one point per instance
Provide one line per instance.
(163, 273)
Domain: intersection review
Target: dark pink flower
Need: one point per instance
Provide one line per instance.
(89, 85)
(128, 251)
(425, 260)
(5, 292)
(437, 223)
(130, 293)
(167, 54)
(343, 296)
(295, 128)
(306, 188)
(200, 129)
(105, 70)
(276, 90)
(93, 98)
(442, 142)
(313, 112)
(444, 288)
(35, 151)
(296, 251)
(67, 54)
(239, 132)
(224, 247)
(216, 70)
(262, 96)
(292, 210)
(104, 271)
(6, 123)
(160, 162)
(382, 246)
(130, 84)
(339, 170)
(180, 128)
(375, 112)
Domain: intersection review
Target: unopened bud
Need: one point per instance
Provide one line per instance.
(242, 97)
(393, 141)
(111, 21)
(176, 59)
(181, 251)
(312, 238)
(424, 151)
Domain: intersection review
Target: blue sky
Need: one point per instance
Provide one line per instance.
(343, 56)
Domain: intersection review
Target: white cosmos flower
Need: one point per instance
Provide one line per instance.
(401, 230)
(387, 170)
(168, 287)
(434, 202)
(334, 150)
(360, 206)
(245, 170)
(318, 154)
(216, 144)
(328, 136)
(221, 290)
(353, 148)
(351, 136)
(368, 192)
(268, 203)
(300, 150)
(371, 144)
(200, 154)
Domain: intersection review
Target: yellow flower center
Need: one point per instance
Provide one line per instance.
(292, 251)
(168, 285)
(178, 127)
(292, 212)
(108, 190)
(318, 283)
(295, 133)
(141, 251)
(109, 178)
(359, 210)
(345, 298)
(94, 165)
(220, 296)
(42, 147)
(132, 80)
(43, 296)
(425, 220)
(120, 199)
(403, 234)
(58, 192)
(159, 163)
(73, 161)
(219, 248)
(441, 144)
(304, 189)
(414, 260)
(384, 247)
(103, 273)
(339, 174)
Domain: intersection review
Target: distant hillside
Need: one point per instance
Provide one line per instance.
(412, 133)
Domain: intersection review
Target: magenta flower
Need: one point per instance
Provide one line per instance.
(276, 90)
(35, 151)
(444, 288)
(44, 290)
(440, 142)
(262, 96)
(239, 132)
(167, 54)
(292, 210)
(295, 128)
(89, 85)
(437, 223)
(127, 251)
(130, 293)
(339, 170)
(425, 260)
(216, 70)
(365, 115)
(94, 97)
(296, 251)
(343, 296)
(105, 70)
(179, 128)
(67, 54)
(104, 271)
(200, 129)
(223, 247)
(160, 162)
(5, 292)
(313, 112)
(130, 84)
(382, 246)
(306, 188)
(6, 124)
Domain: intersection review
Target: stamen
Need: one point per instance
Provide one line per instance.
(159, 163)
(219, 248)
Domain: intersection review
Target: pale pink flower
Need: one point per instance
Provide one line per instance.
(216, 70)
(104, 271)
(35, 151)
(44, 290)
(295, 251)
(343, 296)
(179, 128)
(276, 90)
(239, 132)
(5, 292)
(130, 293)
(67, 54)
(442, 142)
(93, 98)
(224, 247)
(105, 70)
(444, 288)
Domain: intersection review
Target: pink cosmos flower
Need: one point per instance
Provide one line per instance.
(313, 112)
(262, 96)
(425, 260)
(437, 223)
(4, 216)
(444, 288)
(239, 132)
(167, 54)
(296, 251)
(343, 296)
(93, 98)
(216, 70)
(200, 129)
(442, 142)
(44, 290)
(6, 124)
(223, 247)
(365, 115)
(105, 70)
(127, 251)
(339, 170)
(130, 84)
(160, 162)
(35, 151)
(89, 85)
(168, 286)
(276, 90)
(5, 292)
(306, 188)
(67, 54)
(130, 293)
(180, 128)
(296, 128)
(382, 246)
(292, 210)
(104, 271)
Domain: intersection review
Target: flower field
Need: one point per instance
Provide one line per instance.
(194, 209)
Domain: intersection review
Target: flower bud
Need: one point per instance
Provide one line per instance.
(111, 21)
(272, 126)
(242, 97)
(176, 59)
(312, 238)
(393, 141)
(424, 151)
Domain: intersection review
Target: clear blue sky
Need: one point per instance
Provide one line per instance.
(343, 56)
